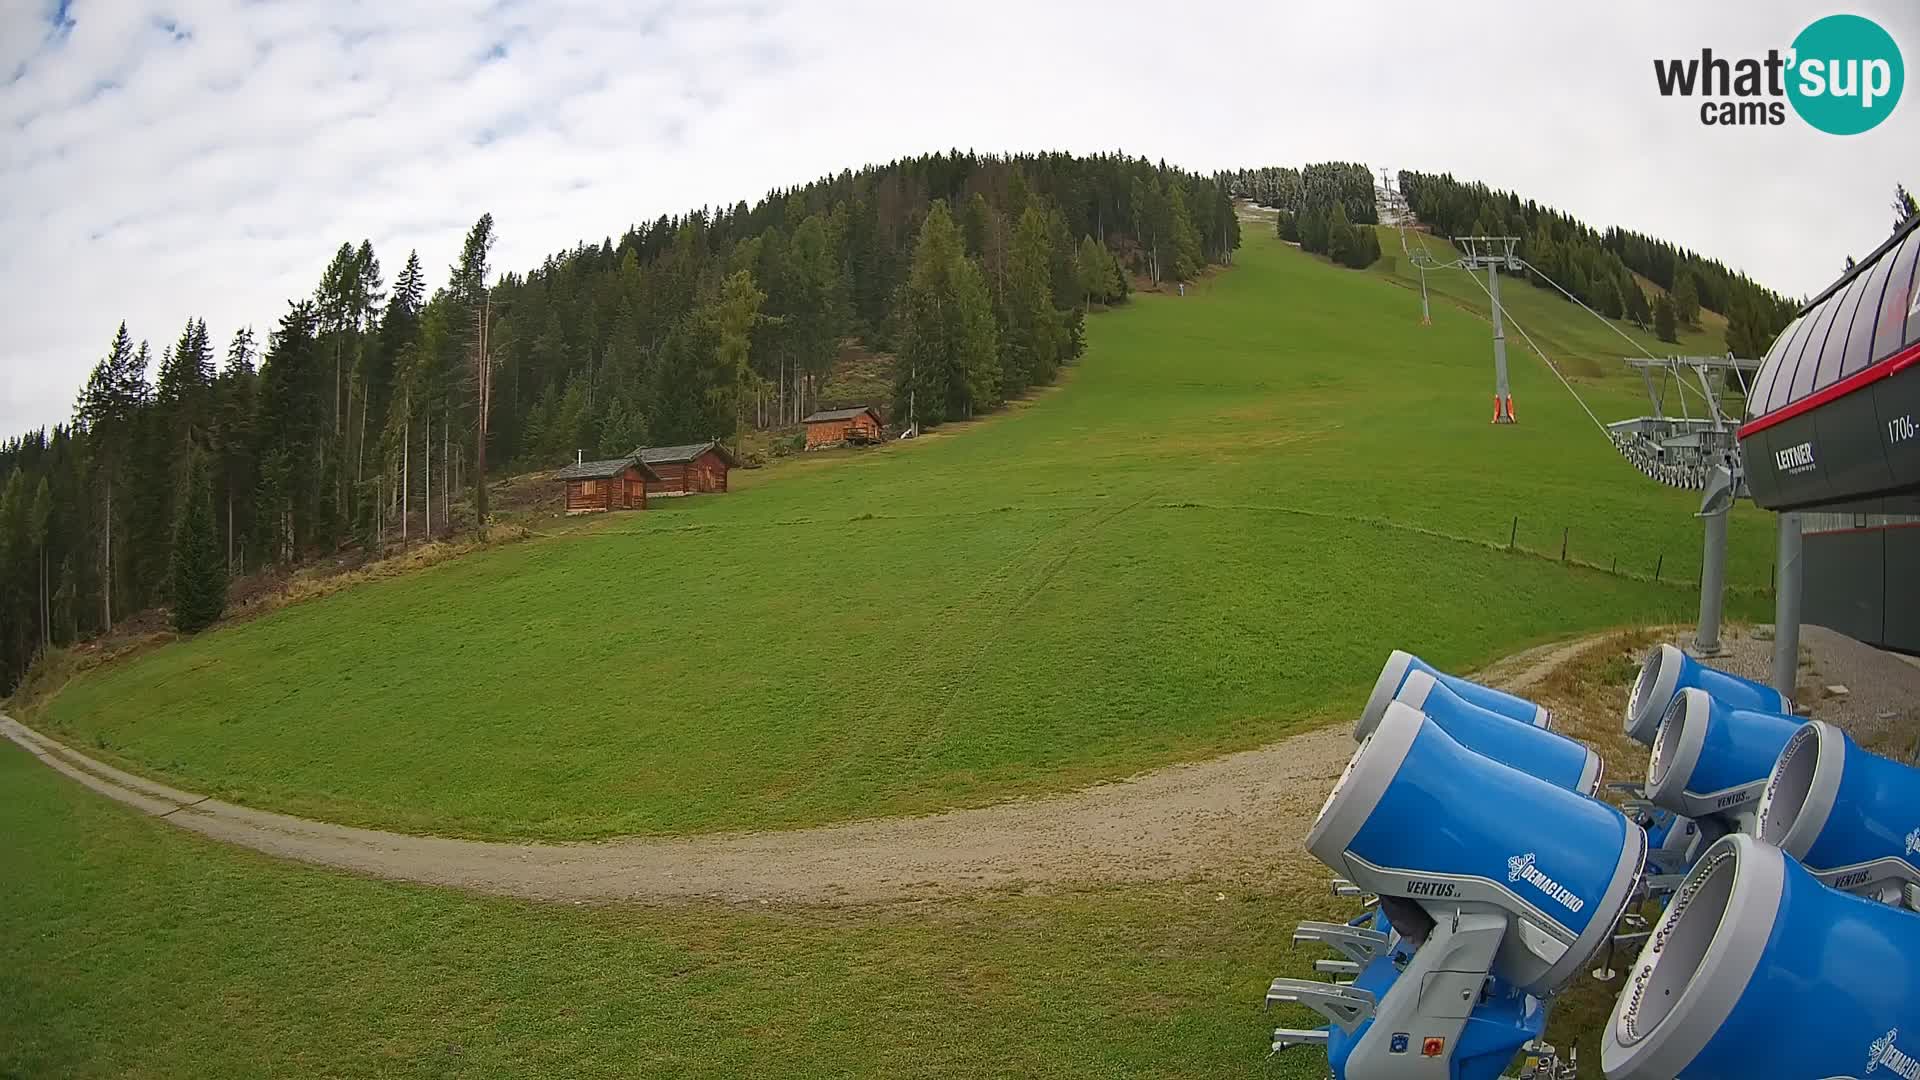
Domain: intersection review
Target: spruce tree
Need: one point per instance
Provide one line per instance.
(1904, 206)
(1665, 320)
(1091, 262)
(1031, 349)
(1341, 240)
(948, 364)
(199, 592)
(1686, 300)
(1184, 239)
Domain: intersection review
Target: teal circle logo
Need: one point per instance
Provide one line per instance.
(1846, 74)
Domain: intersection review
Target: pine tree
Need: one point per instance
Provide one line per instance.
(1341, 242)
(468, 289)
(199, 592)
(1184, 239)
(1091, 262)
(291, 418)
(39, 515)
(947, 367)
(1686, 301)
(1637, 309)
(1118, 287)
(1030, 349)
(1904, 206)
(235, 446)
(1665, 320)
(108, 408)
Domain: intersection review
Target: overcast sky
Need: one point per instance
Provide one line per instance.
(204, 157)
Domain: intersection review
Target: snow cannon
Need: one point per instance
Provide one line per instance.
(1851, 817)
(1670, 839)
(1501, 884)
(1401, 664)
(1666, 671)
(1757, 969)
(1553, 757)
(1712, 761)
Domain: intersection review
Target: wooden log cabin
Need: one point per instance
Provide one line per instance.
(830, 427)
(688, 469)
(615, 484)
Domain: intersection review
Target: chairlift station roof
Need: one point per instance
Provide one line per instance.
(1834, 413)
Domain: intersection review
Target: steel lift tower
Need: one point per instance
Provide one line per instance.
(1394, 211)
(1494, 252)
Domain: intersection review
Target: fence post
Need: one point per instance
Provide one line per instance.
(1616, 565)
(1658, 565)
(1515, 531)
(1563, 543)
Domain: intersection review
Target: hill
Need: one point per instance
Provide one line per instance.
(1580, 343)
(1207, 537)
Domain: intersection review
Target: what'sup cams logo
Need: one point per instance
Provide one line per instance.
(1842, 74)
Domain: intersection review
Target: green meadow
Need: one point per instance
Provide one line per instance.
(129, 948)
(1209, 536)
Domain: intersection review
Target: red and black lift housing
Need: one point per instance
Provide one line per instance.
(1833, 431)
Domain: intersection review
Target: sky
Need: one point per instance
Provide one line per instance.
(204, 158)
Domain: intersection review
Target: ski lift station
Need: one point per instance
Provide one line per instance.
(1832, 441)
(1682, 451)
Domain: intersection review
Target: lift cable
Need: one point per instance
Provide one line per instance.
(1542, 354)
(1624, 336)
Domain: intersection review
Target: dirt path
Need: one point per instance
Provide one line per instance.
(1238, 817)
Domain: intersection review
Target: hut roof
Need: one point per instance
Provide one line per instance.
(841, 414)
(675, 455)
(601, 470)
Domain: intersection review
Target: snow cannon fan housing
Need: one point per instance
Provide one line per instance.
(1852, 818)
(1400, 664)
(1666, 671)
(1432, 827)
(1756, 969)
(1709, 759)
(1553, 757)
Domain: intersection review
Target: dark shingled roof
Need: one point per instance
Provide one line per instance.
(674, 455)
(601, 470)
(840, 414)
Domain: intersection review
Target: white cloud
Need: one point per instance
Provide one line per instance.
(176, 158)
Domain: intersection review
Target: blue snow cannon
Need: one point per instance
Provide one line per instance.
(1553, 757)
(1667, 671)
(1670, 840)
(1851, 817)
(1400, 664)
(1500, 887)
(1419, 816)
(1756, 969)
(1711, 760)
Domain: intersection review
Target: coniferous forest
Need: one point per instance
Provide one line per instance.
(322, 434)
(1599, 266)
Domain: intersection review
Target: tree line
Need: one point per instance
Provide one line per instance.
(1319, 186)
(372, 402)
(1598, 266)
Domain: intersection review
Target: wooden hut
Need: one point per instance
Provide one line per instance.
(614, 484)
(688, 469)
(832, 426)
